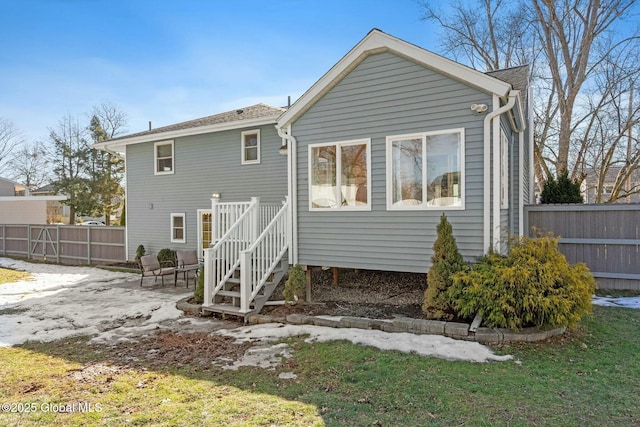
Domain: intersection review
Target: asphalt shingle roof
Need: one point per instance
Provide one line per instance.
(257, 111)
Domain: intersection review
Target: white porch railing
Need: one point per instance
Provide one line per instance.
(224, 215)
(259, 260)
(224, 257)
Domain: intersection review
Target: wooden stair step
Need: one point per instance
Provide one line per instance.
(224, 309)
(233, 294)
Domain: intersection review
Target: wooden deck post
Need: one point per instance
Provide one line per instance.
(335, 276)
(308, 289)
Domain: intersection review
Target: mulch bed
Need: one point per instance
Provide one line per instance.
(366, 293)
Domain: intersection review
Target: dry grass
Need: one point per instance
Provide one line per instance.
(10, 276)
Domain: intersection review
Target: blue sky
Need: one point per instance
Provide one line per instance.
(170, 61)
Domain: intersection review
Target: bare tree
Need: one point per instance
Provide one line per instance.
(30, 166)
(568, 43)
(10, 138)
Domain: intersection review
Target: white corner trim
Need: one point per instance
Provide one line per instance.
(520, 183)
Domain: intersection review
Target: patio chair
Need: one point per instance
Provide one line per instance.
(151, 267)
(187, 261)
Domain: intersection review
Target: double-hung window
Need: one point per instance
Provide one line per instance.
(340, 175)
(426, 170)
(163, 157)
(250, 147)
(178, 228)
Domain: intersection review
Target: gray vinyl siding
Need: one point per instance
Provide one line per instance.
(389, 95)
(204, 164)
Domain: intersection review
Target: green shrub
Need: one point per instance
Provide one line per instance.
(167, 256)
(295, 284)
(446, 261)
(140, 252)
(564, 190)
(198, 295)
(533, 286)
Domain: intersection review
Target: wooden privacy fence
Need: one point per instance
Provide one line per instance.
(64, 244)
(605, 237)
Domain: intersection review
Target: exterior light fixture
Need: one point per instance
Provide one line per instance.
(479, 108)
(283, 149)
(215, 196)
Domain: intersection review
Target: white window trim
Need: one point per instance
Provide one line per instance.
(504, 170)
(184, 228)
(339, 207)
(423, 206)
(155, 158)
(242, 154)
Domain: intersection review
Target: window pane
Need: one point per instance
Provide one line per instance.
(251, 153)
(178, 221)
(163, 150)
(406, 158)
(251, 140)
(323, 177)
(165, 165)
(443, 170)
(354, 175)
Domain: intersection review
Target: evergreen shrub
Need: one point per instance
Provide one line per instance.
(198, 295)
(446, 261)
(167, 256)
(295, 284)
(533, 285)
(564, 190)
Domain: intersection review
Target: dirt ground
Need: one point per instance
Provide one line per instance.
(366, 293)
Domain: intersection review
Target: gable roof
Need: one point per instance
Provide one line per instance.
(254, 115)
(377, 42)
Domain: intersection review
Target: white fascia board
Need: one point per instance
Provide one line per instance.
(376, 42)
(32, 198)
(120, 144)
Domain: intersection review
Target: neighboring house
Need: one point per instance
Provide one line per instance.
(19, 206)
(57, 212)
(388, 140)
(591, 182)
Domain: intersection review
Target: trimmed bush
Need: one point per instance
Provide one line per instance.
(198, 295)
(533, 286)
(446, 261)
(564, 190)
(295, 284)
(167, 256)
(140, 252)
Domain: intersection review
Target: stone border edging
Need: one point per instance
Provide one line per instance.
(417, 326)
(191, 309)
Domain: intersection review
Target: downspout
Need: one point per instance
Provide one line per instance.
(292, 179)
(487, 175)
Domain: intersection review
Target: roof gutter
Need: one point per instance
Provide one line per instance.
(489, 118)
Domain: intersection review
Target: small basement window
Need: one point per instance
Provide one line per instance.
(163, 155)
(250, 147)
(178, 228)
